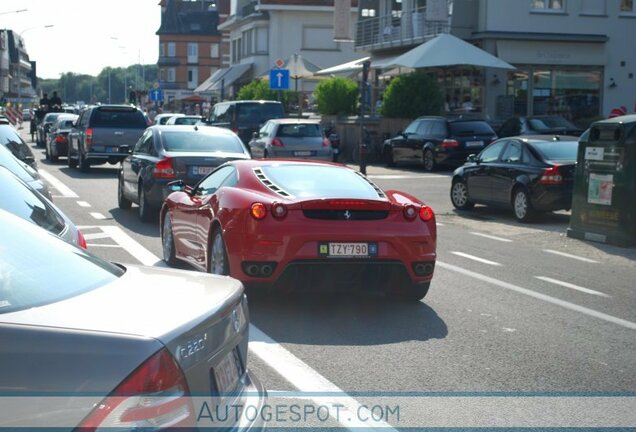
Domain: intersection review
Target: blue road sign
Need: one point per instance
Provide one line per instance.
(156, 95)
(279, 79)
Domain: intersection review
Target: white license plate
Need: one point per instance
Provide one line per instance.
(199, 170)
(474, 143)
(226, 374)
(352, 250)
(302, 153)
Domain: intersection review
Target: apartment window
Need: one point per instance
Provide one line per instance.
(214, 50)
(172, 74)
(193, 78)
(628, 7)
(547, 5)
(193, 52)
(162, 74)
(162, 49)
(367, 13)
(262, 40)
(172, 49)
(318, 39)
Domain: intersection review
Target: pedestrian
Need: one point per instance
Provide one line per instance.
(45, 102)
(56, 101)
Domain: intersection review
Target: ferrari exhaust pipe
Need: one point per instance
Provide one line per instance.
(266, 270)
(423, 268)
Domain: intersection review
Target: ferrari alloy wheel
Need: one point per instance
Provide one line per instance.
(521, 205)
(218, 263)
(428, 160)
(123, 202)
(167, 240)
(459, 196)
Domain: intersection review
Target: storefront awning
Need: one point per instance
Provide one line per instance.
(205, 85)
(232, 74)
(355, 66)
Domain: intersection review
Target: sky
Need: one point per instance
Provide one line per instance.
(87, 35)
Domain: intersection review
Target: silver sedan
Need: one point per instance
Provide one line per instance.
(291, 138)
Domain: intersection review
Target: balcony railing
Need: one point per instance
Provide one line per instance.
(406, 29)
(168, 61)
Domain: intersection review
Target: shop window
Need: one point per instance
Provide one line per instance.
(628, 7)
(547, 5)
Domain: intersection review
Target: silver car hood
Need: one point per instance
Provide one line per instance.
(145, 301)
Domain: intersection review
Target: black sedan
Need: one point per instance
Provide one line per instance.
(528, 174)
(538, 125)
(167, 153)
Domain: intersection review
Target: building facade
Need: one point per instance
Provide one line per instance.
(572, 57)
(17, 73)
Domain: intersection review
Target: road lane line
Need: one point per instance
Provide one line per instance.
(492, 237)
(58, 185)
(95, 236)
(567, 255)
(474, 258)
(404, 176)
(83, 204)
(98, 216)
(546, 298)
(131, 245)
(102, 245)
(439, 224)
(572, 286)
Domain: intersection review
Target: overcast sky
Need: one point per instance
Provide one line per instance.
(81, 40)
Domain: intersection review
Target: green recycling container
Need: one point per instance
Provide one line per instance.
(604, 196)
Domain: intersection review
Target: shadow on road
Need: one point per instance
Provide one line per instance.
(352, 319)
(96, 172)
(551, 221)
(130, 219)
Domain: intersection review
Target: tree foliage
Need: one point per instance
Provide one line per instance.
(259, 90)
(412, 95)
(336, 96)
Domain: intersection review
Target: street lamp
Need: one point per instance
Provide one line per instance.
(20, 57)
(15, 11)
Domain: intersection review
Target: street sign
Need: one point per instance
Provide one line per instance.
(279, 79)
(156, 95)
(279, 63)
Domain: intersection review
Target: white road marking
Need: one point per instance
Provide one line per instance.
(546, 298)
(95, 236)
(439, 224)
(306, 379)
(83, 204)
(492, 237)
(102, 245)
(587, 260)
(572, 286)
(474, 258)
(132, 246)
(403, 176)
(57, 184)
(60, 196)
(97, 215)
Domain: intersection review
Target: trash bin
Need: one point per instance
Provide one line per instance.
(604, 198)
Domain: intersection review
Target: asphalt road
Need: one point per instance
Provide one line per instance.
(513, 310)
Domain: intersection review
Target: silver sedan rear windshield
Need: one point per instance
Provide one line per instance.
(197, 141)
(38, 268)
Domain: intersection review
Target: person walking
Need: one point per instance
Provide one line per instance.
(56, 101)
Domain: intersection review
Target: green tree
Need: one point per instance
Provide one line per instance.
(336, 96)
(259, 90)
(412, 95)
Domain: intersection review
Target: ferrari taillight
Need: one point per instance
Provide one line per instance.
(258, 211)
(410, 212)
(426, 213)
(279, 210)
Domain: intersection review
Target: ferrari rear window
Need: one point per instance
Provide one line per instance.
(316, 181)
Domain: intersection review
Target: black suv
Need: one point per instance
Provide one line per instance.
(435, 141)
(245, 117)
(104, 133)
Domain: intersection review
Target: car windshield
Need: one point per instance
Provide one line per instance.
(313, 181)
(198, 141)
(468, 128)
(306, 130)
(541, 123)
(66, 124)
(118, 119)
(38, 268)
(187, 120)
(258, 112)
(557, 150)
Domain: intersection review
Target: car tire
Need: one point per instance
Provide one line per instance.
(459, 196)
(52, 157)
(217, 254)
(388, 156)
(521, 205)
(84, 165)
(415, 292)
(123, 202)
(167, 241)
(146, 212)
(428, 160)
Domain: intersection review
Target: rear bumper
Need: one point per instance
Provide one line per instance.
(103, 157)
(321, 154)
(551, 198)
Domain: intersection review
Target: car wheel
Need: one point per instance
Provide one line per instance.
(72, 163)
(123, 202)
(428, 160)
(167, 240)
(521, 205)
(459, 196)
(217, 255)
(415, 292)
(84, 165)
(53, 157)
(146, 212)
(388, 156)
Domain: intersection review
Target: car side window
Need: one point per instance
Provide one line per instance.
(439, 130)
(144, 144)
(264, 132)
(214, 181)
(513, 153)
(491, 153)
(412, 128)
(424, 128)
(85, 118)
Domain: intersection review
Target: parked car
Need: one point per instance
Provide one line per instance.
(538, 125)
(167, 153)
(11, 139)
(161, 119)
(57, 141)
(245, 117)
(185, 120)
(109, 347)
(23, 171)
(309, 224)
(528, 174)
(290, 138)
(22, 200)
(44, 126)
(26, 114)
(101, 132)
(436, 141)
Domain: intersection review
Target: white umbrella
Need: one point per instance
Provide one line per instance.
(448, 50)
(299, 67)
